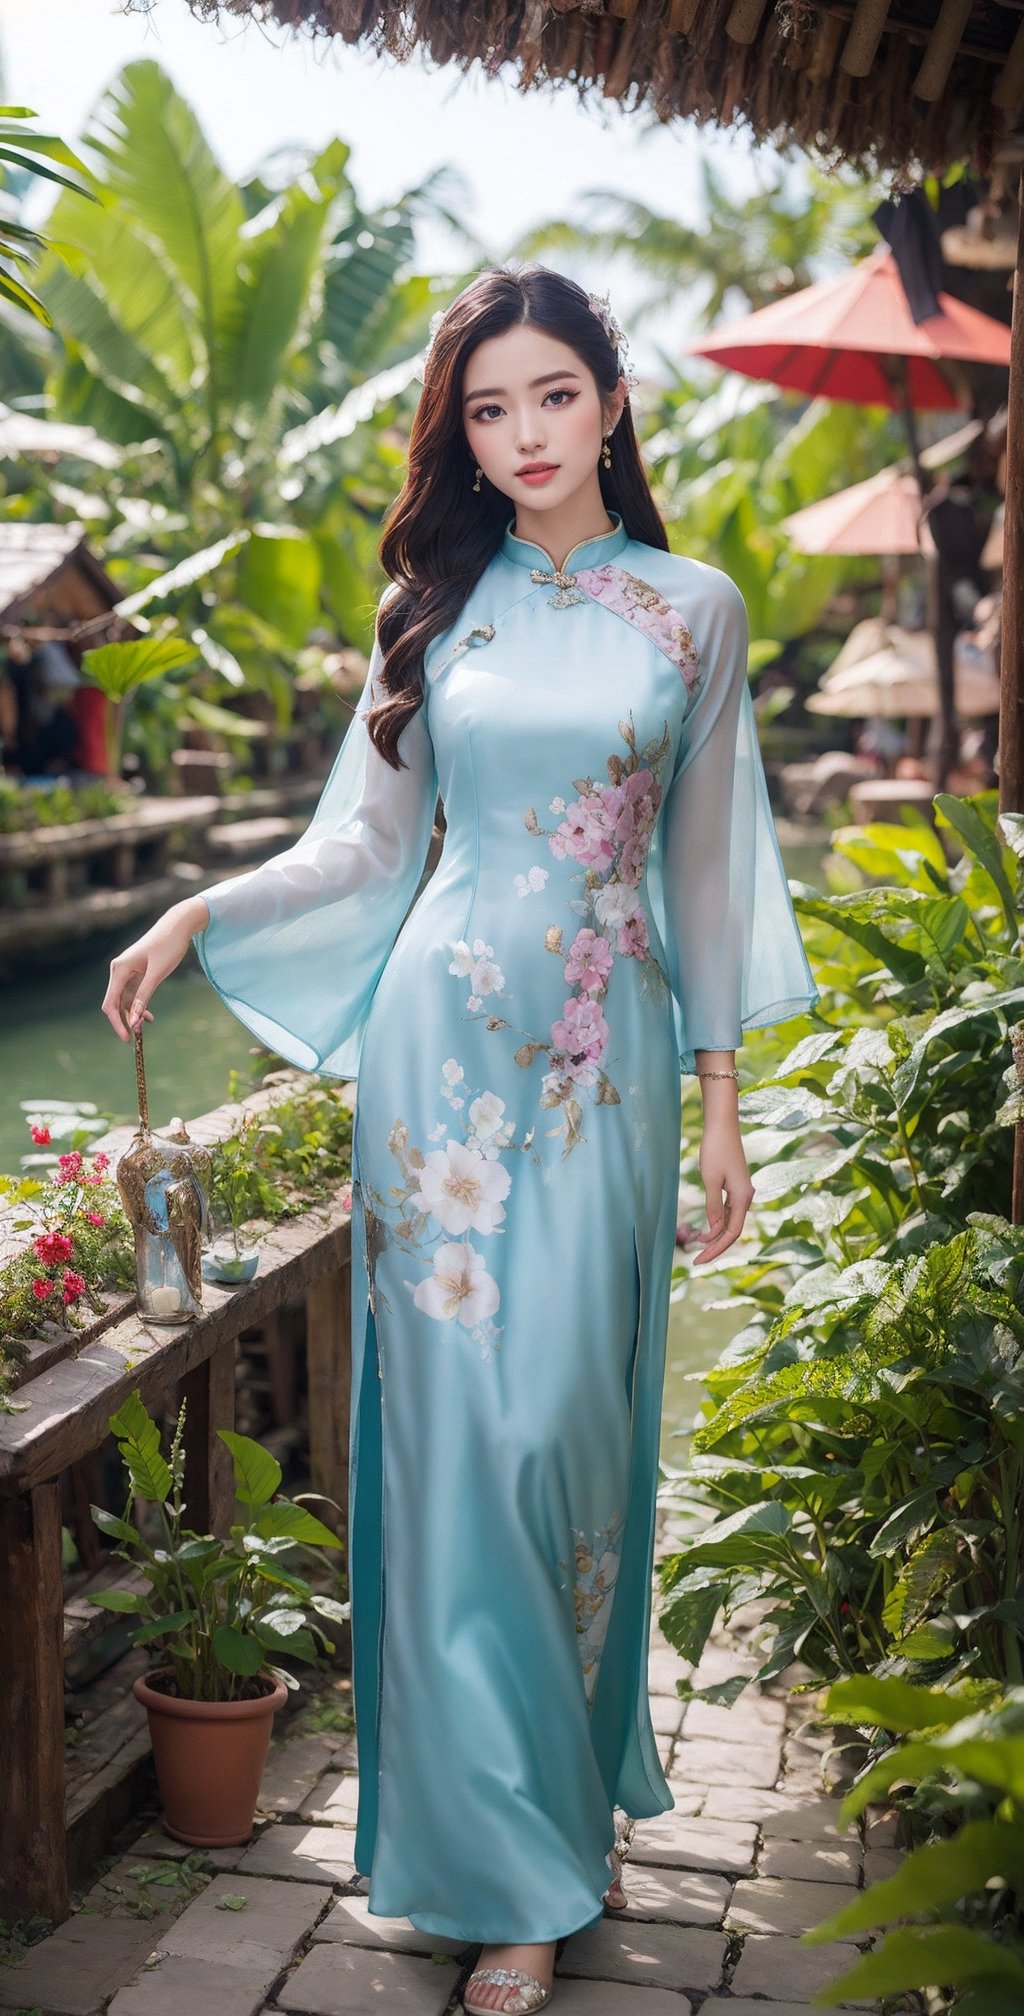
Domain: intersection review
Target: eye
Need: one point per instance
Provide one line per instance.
(557, 392)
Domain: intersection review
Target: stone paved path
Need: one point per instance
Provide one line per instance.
(719, 1889)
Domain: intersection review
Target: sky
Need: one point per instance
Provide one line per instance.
(526, 156)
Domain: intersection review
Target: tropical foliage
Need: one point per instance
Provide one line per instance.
(740, 252)
(861, 1438)
(859, 1461)
(249, 350)
(952, 1912)
(24, 154)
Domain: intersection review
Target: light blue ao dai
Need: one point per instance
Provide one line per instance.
(610, 897)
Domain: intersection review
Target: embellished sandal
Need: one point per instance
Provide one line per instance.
(530, 1993)
(615, 1859)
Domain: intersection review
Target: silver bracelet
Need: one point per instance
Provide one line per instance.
(719, 1074)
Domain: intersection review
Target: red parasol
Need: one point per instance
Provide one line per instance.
(854, 338)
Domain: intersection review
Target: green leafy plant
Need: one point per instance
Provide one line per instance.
(952, 1912)
(276, 1162)
(29, 153)
(860, 1457)
(120, 669)
(22, 809)
(221, 1610)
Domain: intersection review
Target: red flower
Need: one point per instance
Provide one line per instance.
(41, 1136)
(87, 1178)
(41, 1289)
(68, 1167)
(101, 1161)
(52, 1247)
(74, 1286)
(95, 1217)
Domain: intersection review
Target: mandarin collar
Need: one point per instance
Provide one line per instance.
(588, 553)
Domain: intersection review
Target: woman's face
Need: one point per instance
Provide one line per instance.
(529, 398)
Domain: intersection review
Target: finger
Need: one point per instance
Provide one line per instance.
(717, 1209)
(719, 1241)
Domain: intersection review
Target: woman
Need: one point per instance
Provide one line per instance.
(610, 904)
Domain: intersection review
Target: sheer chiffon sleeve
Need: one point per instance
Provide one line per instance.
(296, 946)
(735, 955)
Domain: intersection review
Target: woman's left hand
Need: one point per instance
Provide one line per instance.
(727, 1185)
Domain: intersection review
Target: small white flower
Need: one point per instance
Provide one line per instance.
(459, 1287)
(557, 805)
(488, 977)
(485, 1113)
(536, 879)
(451, 1071)
(481, 950)
(462, 964)
(436, 1132)
(473, 1002)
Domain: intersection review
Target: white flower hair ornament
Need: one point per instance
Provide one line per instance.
(601, 307)
(432, 328)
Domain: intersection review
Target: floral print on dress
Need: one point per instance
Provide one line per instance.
(607, 829)
(453, 1190)
(478, 966)
(594, 1569)
(646, 608)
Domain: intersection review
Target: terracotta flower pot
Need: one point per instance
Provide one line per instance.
(209, 1758)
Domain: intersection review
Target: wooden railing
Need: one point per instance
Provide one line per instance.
(54, 1819)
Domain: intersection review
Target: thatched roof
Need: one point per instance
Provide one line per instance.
(925, 82)
(52, 583)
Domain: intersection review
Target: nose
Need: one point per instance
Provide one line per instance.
(527, 441)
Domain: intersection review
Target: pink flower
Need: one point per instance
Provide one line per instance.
(633, 941)
(589, 962)
(69, 1167)
(95, 1217)
(582, 1031)
(41, 1289)
(88, 1177)
(74, 1286)
(52, 1247)
(586, 832)
(101, 1161)
(41, 1136)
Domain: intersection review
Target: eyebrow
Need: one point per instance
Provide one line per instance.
(487, 390)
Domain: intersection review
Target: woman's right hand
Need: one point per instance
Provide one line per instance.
(137, 972)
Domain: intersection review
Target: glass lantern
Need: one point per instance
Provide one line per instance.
(164, 1181)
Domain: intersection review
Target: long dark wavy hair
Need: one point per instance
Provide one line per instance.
(440, 534)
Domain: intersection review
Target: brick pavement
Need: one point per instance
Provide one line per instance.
(719, 1889)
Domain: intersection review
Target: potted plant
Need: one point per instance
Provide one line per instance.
(221, 1612)
(238, 1191)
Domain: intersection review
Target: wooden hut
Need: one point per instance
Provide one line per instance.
(51, 582)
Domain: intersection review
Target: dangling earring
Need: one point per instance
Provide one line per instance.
(479, 473)
(606, 453)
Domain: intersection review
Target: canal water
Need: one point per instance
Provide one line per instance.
(55, 1044)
